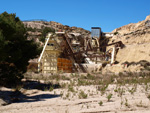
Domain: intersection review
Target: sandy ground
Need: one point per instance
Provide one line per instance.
(37, 101)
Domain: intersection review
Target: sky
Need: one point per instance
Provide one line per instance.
(107, 14)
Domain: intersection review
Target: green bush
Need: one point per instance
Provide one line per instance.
(82, 95)
(100, 103)
(115, 33)
(109, 97)
(45, 31)
(31, 29)
(9, 75)
(15, 49)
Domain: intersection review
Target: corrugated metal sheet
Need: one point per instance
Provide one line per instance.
(95, 32)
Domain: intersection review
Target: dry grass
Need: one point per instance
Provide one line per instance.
(71, 85)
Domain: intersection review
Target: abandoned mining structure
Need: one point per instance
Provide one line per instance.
(72, 52)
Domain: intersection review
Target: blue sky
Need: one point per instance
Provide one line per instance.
(107, 14)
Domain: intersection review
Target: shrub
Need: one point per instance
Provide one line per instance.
(9, 75)
(148, 96)
(82, 95)
(109, 97)
(15, 49)
(115, 33)
(100, 103)
(51, 88)
(70, 88)
(45, 31)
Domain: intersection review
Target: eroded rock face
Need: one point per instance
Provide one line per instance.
(134, 33)
(136, 37)
(37, 27)
(147, 18)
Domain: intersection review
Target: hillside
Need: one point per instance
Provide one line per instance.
(135, 56)
(35, 28)
(87, 92)
(136, 37)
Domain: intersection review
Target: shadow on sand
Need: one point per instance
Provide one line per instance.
(28, 84)
(18, 97)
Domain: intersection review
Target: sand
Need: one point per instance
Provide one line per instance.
(38, 101)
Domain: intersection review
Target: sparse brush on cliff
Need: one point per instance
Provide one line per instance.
(45, 31)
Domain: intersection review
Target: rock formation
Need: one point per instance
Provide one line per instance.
(37, 26)
(136, 37)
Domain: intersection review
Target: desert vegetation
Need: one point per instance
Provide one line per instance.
(99, 90)
(67, 92)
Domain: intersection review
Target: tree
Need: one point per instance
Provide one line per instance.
(15, 49)
(45, 31)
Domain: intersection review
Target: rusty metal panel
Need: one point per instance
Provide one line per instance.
(64, 65)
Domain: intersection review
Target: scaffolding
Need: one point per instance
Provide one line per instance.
(62, 53)
(47, 62)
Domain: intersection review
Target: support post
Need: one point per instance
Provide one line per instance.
(113, 55)
(38, 66)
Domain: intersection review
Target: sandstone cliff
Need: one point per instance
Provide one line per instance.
(135, 56)
(136, 37)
